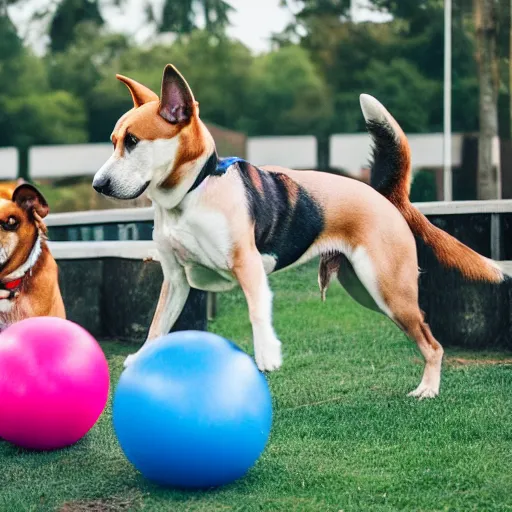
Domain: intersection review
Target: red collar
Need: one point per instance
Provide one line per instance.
(13, 285)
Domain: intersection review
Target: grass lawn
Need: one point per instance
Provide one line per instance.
(345, 436)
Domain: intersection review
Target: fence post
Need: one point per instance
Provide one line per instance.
(23, 162)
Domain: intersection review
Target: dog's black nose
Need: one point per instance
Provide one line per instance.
(102, 185)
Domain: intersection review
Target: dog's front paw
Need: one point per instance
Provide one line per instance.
(130, 359)
(424, 391)
(269, 357)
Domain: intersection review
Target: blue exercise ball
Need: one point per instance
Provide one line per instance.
(192, 411)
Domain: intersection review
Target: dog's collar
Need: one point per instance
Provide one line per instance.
(214, 166)
(224, 163)
(209, 168)
(13, 281)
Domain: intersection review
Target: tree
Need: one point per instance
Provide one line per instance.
(218, 70)
(423, 187)
(278, 93)
(286, 95)
(386, 81)
(47, 118)
(68, 15)
(485, 12)
(343, 51)
(30, 111)
(179, 16)
(82, 65)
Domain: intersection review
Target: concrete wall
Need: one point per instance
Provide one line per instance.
(352, 152)
(295, 152)
(68, 160)
(110, 290)
(8, 163)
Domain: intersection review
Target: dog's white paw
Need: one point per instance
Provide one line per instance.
(130, 359)
(424, 391)
(269, 357)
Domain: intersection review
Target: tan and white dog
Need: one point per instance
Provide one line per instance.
(219, 224)
(29, 283)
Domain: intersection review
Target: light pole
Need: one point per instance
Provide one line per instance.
(447, 136)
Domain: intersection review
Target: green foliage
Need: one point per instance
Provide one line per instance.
(68, 15)
(85, 60)
(48, 118)
(287, 96)
(218, 70)
(31, 112)
(307, 88)
(179, 16)
(423, 187)
(277, 93)
(403, 89)
(357, 57)
(11, 45)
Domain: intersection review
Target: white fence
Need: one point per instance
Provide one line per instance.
(67, 160)
(8, 163)
(294, 152)
(127, 215)
(350, 152)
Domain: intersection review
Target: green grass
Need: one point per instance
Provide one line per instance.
(345, 436)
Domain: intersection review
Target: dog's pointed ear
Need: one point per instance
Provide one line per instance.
(140, 93)
(177, 104)
(30, 199)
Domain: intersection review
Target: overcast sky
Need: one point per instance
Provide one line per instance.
(253, 23)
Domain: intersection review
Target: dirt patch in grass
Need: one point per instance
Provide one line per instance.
(462, 361)
(116, 504)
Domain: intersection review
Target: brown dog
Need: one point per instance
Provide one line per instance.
(219, 223)
(28, 273)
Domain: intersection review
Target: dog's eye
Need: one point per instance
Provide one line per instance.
(130, 141)
(11, 224)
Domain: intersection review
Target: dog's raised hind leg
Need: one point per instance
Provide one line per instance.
(250, 273)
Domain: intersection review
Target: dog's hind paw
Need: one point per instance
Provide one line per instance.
(269, 358)
(423, 391)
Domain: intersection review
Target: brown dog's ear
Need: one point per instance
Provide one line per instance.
(140, 93)
(30, 199)
(177, 102)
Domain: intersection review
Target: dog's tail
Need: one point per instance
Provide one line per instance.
(391, 176)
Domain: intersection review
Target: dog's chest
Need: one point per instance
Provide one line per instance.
(195, 237)
(12, 311)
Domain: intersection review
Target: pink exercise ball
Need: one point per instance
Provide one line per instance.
(54, 383)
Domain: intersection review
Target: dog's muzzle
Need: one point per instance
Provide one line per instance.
(102, 185)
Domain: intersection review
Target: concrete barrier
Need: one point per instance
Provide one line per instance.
(110, 290)
(472, 315)
(107, 285)
(8, 163)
